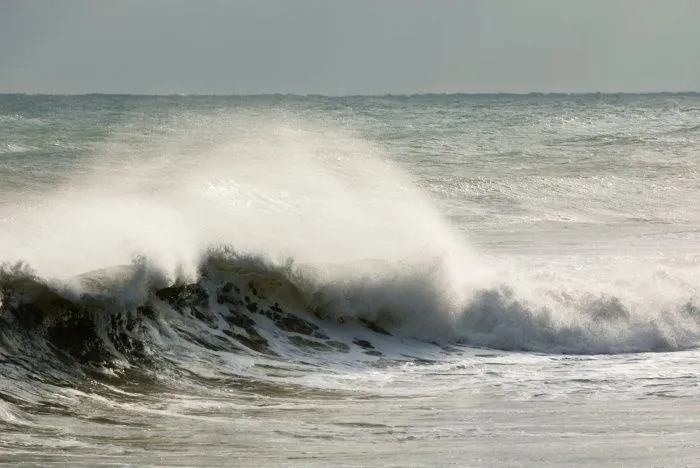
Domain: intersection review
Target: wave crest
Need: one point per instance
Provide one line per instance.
(136, 317)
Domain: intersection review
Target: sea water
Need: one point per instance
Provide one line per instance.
(434, 280)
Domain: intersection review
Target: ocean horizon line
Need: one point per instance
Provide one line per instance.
(356, 95)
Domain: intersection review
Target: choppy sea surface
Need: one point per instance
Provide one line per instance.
(452, 280)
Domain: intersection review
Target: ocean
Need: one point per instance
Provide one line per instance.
(428, 280)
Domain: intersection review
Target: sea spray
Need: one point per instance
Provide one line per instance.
(264, 185)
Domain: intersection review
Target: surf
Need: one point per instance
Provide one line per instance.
(272, 237)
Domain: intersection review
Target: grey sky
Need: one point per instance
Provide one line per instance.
(348, 46)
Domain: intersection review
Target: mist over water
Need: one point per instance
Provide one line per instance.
(331, 244)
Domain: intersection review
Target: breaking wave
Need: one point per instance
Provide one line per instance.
(374, 271)
(132, 317)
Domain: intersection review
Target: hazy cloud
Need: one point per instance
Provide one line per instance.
(350, 46)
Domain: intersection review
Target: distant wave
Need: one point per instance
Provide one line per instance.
(10, 148)
(600, 140)
(686, 129)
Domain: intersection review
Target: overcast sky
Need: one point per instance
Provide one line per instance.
(348, 46)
